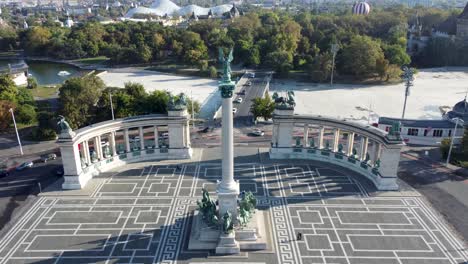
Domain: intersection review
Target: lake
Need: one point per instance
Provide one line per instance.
(46, 73)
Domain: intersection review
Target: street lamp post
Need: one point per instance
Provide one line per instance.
(16, 129)
(408, 78)
(334, 50)
(112, 107)
(453, 137)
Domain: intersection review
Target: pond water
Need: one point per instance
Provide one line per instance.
(46, 73)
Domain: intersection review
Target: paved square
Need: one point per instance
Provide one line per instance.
(142, 216)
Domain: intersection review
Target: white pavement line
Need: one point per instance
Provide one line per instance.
(28, 233)
(441, 225)
(165, 231)
(19, 225)
(337, 235)
(290, 225)
(441, 246)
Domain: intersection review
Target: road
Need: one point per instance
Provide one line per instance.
(257, 89)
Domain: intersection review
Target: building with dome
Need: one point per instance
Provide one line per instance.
(169, 8)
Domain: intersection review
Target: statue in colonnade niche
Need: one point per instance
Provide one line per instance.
(298, 142)
(340, 148)
(312, 143)
(367, 159)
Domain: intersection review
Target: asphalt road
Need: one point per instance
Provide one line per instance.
(255, 90)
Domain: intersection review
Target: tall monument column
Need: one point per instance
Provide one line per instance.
(228, 189)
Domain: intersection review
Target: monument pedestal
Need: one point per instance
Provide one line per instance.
(227, 244)
(227, 199)
(251, 237)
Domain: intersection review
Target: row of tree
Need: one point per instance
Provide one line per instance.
(372, 45)
(86, 100)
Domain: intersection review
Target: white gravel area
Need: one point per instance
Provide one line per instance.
(203, 90)
(432, 89)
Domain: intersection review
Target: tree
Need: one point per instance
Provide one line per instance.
(213, 72)
(37, 39)
(25, 114)
(8, 89)
(196, 107)
(262, 107)
(381, 67)
(32, 83)
(361, 55)
(78, 97)
(46, 127)
(280, 61)
(5, 115)
(396, 54)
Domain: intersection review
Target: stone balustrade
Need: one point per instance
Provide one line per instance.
(167, 137)
(376, 154)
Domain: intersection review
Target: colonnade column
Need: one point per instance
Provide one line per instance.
(306, 135)
(336, 139)
(142, 138)
(112, 143)
(127, 141)
(350, 143)
(320, 137)
(156, 137)
(364, 143)
(377, 148)
(97, 147)
(83, 152)
(86, 152)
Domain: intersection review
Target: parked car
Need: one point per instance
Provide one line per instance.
(242, 92)
(164, 135)
(249, 84)
(234, 110)
(204, 130)
(25, 165)
(4, 173)
(258, 132)
(47, 157)
(251, 74)
(238, 100)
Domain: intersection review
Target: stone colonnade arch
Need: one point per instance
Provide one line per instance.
(379, 163)
(158, 137)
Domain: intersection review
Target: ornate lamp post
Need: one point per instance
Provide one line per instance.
(408, 78)
(334, 49)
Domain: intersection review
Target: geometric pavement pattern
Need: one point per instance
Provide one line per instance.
(141, 216)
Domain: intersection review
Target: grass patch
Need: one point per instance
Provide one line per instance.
(45, 91)
(93, 61)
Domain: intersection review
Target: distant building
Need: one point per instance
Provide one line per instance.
(422, 132)
(462, 24)
(17, 72)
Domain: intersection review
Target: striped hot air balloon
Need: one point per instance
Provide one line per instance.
(361, 8)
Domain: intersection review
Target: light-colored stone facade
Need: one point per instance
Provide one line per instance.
(376, 155)
(81, 163)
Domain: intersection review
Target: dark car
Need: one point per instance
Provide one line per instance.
(4, 173)
(25, 165)
(205, 130)
(242, 92)
(47, 157)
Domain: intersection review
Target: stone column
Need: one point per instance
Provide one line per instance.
(306, 135)
(376, 148)
(363, 148)
(86, 151)
(320, 137)
(350, 143)
(126, 140)
(83, 152)
(142, 138)
(97, 146)
(156, 137)
(112, 143)
(336, 139)
(228, 189)
(73, 176)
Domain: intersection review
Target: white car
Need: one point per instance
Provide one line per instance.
(135, 139)
(238, 100)
(258, 133)
(234, 110)
(249, 84)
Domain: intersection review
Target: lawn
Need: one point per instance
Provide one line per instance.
(44, 91)
(93, 61)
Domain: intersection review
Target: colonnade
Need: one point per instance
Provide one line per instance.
(81, 161)
(375, 155)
